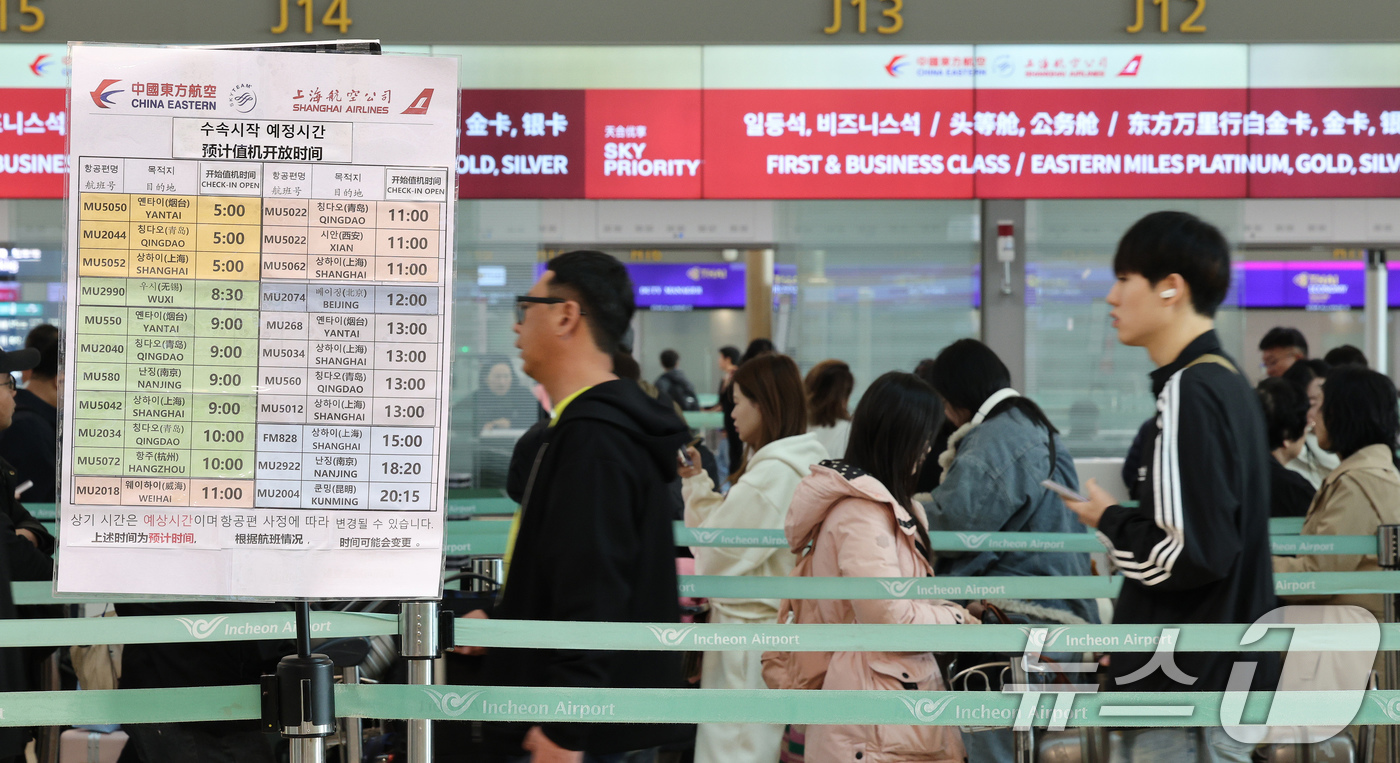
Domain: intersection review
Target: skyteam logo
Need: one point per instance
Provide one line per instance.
(452, 703)
(927, 710)
(1039, 638)
(973, 540)
(201, 628)
(896, 66)
(898, 588)
(670, 636)
(706, 536)
(102, 96)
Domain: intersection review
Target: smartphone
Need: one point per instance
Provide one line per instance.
(1062, 491)
(684, 453)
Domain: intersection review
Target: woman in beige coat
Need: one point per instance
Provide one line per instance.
(1354, 414)
(770, 413)
(861, 521)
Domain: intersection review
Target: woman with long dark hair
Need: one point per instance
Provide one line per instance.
(856, 517)
(995, 460)
(770, 414)
(1004, 446)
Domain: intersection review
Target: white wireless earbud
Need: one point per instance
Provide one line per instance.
(1168, 294)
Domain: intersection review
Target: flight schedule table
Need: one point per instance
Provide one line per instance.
(258, 335)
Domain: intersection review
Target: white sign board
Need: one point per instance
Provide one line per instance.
(259, 313)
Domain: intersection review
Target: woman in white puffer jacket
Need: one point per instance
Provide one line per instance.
(770, 413)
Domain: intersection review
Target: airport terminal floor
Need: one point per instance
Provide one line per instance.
(661, 382)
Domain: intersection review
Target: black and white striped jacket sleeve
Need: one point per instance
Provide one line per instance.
(1185, 534)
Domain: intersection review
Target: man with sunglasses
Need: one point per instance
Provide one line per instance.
(594, 539)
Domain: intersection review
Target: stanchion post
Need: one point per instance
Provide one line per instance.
(419, 644)
(1024, 741)
(299, 700)
(1388, 545)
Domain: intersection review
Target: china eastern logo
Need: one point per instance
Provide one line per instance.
(102, 96)
(896, 65)
(42, 65)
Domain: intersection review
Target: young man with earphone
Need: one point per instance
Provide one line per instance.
(1196, 550)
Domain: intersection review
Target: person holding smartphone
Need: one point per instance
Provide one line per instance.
(770, 413)
(1196, 549)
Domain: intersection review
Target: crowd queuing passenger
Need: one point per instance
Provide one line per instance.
(1313, 462)
(856, 517)
(1286, 419)
(726, 400)
(1346, 355)
(930, 473)
(626, 367)
(1356, 417)
(674, 383)
(770, 413)
(594, 542)
(212, 663)
(30, 445)
(829, 385)
(1003, 448)
(25, 554)
(728, 361)
(1280, 348)
(1197, 548)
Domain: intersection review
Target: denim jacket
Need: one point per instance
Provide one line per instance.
(993, 485)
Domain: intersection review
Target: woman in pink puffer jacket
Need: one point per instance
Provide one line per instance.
(858, 515)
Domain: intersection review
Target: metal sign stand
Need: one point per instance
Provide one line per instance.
(299, 700)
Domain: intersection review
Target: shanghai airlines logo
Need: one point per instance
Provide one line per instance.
(102, 95)
(454, 704)
(896, 65)
(898, 588)
(927, 710)
(420, 104)
(670, 636)
(1039, 638)
(973, 540)
(1134, 64)
(706, 536)
(201, 628)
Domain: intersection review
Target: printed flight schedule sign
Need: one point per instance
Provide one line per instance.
(258, 273)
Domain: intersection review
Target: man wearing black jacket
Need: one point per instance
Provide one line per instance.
(595, 541)
(25, 549)
(1197, 548)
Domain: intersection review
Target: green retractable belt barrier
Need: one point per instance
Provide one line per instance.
(722, 637)
(465, 703)
(489, 538)
(1085, 587)
(743, 587)
(1006, 639)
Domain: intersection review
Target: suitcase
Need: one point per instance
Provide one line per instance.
(84, 746)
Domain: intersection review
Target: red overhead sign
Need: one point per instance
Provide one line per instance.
(33, 143)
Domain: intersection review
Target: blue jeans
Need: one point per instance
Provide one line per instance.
(1177, 745)
(635, 756)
